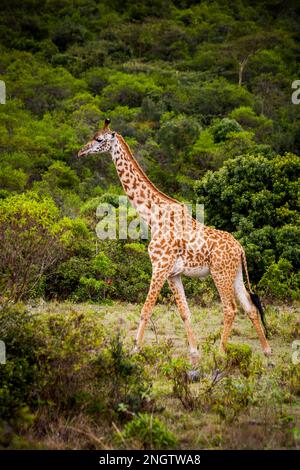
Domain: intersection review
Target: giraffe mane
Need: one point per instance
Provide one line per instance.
(141, 171)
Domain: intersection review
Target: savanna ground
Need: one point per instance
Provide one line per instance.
(243, 400)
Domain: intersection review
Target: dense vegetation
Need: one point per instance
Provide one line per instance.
(71, 381)
(200, 90)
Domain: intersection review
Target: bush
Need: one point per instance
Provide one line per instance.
(283, 324)
(127, 90)
(122, 380)
(247, 118)
(232, 396)
(46, 358)
(30, 235)
(149, 432)
(223, 128)
(177, 132)
(239, 356)
(255, 197)
(177, 370)
(132, 276)
(289, 378)
(34, 239)
(60, 365)
(18, 330)
(280, 282)
(12, 179)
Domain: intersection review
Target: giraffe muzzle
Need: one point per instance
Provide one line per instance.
(84, 150)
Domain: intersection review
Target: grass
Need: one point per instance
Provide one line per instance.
(166, 325)
(265, 403)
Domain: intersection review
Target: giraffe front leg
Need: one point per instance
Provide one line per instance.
(157, 281)
(176, 287)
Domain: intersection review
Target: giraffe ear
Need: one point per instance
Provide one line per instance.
(106, 124)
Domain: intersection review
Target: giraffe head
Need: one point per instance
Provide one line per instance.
(101, 142)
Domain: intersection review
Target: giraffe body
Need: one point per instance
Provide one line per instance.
(180, 245)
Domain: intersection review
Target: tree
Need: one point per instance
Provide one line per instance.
(243, 48)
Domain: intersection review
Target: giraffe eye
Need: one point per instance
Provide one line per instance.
(99, 139)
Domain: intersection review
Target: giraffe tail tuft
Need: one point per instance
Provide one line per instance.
(256, 301)
(254, 297)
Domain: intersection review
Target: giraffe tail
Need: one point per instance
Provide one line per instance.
(255, 299)
(244, 260)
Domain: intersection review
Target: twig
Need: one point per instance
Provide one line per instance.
(119, 432)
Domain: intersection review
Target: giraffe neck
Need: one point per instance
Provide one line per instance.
(141, 192)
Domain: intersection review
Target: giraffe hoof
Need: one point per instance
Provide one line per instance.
(268, 351)
(193, 375)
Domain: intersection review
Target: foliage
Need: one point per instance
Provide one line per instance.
(257, 198)
(232, 397)
(31, 239)
(63, 365)
(70, 380)
(177, 370)
(240, 356)
(280, 282)
(201, 91)
(190, 87)
(149, 431)
(224, 128)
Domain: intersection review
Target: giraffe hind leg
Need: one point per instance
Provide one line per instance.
(226, 292)
(230, 310)
(251, 310)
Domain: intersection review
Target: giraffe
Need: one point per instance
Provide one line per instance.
(180, 245)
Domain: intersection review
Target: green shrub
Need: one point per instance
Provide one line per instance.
(60, 365)
(239, 355)
(288, 377)
(255, 197)
(12, 179)
(280, 282)
(177, 370)
(149, 432)
(46, 358)
(18, 330)
(231, 397)
(63, 282)
(122, 380)
(33, 239)
(222, 129)
(283, 323)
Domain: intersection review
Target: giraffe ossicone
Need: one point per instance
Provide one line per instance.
(180, 245)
